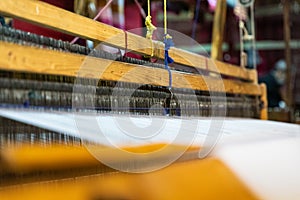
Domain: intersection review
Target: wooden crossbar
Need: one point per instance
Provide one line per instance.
(30, 59)
(180, 178)
(64, 21)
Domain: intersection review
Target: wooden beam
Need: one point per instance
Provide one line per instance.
(29, 59)
(287, 52)
(218, 30)
(218, 181)
(49, 16)
(32, 158)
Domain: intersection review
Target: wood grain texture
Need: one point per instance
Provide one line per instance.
(61, 20)
(218, 30)
(15, 57)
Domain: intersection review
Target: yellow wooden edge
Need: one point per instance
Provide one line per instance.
(197, 179)
(36, 60)
(50, 16)
(28, 158)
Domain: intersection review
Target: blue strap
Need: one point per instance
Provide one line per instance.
(168, 43)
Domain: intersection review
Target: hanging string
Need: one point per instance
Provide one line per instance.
(253, 34)
(168, 44)
(150, 27)
(165, 17)
(143, 14)
(196, 19)
(149, 4)
(140, 8)
(95, 18)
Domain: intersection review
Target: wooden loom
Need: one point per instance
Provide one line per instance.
(61, 167)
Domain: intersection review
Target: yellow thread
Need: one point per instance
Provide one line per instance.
(165, 16)
(150, 27)
(167, 36)
(149, 8)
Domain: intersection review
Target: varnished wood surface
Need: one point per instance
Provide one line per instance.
(58, 19)
(198, 179)
(36, 60)
(28, 158)
(218, 30)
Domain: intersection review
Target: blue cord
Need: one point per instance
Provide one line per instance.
(196, 18)
(168, 43)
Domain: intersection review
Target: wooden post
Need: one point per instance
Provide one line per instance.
(287, 38)
(264, 100)
(218, 30)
